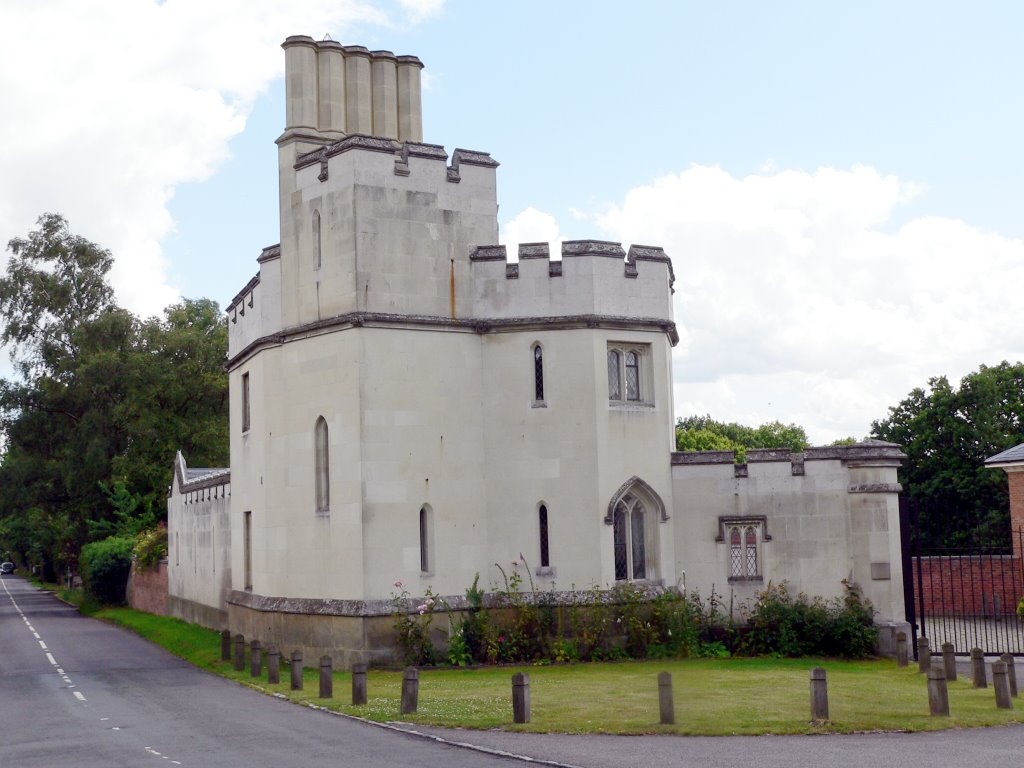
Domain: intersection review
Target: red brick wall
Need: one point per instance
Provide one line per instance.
(147, 590)
(1016, 482)
(969, 586)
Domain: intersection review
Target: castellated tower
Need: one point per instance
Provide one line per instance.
(409, 403)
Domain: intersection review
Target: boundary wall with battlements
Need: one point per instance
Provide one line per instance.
(825, 519)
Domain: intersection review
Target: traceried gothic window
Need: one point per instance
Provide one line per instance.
(322, 466)
(744, 539)
(317, 241)
(538, 374)
(629, 525)
(627, 374)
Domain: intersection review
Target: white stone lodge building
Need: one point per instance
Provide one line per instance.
(411, 403)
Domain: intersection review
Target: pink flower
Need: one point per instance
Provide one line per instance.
(430, 601)
(398, 584)
(422, 608)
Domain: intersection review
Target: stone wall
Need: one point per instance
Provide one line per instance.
(147, 589)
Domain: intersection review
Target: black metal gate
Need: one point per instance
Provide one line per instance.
(967, 597)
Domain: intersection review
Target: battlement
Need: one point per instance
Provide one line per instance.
(334, 90)
(593, 278)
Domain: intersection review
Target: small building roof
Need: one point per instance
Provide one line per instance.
(1013, 455)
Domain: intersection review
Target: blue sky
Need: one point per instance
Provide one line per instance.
(838, 184)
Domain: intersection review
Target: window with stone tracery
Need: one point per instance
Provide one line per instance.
(628, 379)
(744, 539)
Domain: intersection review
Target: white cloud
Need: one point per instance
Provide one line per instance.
(109, 104)
(420, 10)
(531, 226)
(799, 300)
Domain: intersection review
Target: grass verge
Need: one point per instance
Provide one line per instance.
(713, 696)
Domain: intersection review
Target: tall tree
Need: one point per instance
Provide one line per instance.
(55, 282)
(947, 433)
(103, 399)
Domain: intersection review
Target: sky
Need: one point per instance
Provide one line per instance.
(839, 185)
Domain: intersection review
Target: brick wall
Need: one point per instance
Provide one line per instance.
(1016, 484)
(147, 590)
(969, 585)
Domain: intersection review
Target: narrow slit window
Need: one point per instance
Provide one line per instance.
(323, 466)
(545, 557)
(317, 241)
(538, 373)
(425, 539)
(245, 402)
(247, 540)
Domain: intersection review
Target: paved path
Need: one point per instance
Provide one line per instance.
(87, 694)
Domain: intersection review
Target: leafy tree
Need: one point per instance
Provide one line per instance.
(702, 433)
(947, 433)
(102, 401)
(55, 282)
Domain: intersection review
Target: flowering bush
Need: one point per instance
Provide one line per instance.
(413, 629)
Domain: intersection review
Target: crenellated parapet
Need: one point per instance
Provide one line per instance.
(593, 278)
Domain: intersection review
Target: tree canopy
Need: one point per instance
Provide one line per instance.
(101, 399)
(947, 433)
(702, 433)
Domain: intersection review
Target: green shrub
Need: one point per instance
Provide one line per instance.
(151, 547)
(783, 625)
(105, 566)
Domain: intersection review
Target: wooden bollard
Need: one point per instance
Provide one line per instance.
(902, 652)
(666, 700)
(225, 645)
(938, 693)
(273, 665)
(256, 659)
(359, 684)
(521, 697)
(410, 690)
(978, 668)
(239, 652)
(924, 654)
(1011, 672)
(949, 661)
(819, 694)
(1002, 685)
(296, 670)
(326, 677)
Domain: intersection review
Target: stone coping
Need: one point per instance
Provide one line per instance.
(869, 450)
(469, 325)
(491, 600)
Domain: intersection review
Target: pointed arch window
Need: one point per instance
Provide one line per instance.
(426, 524)
(317, 241)
(744, 537)
(538, 374)
(322, 466)
(630, 541)
(542, 521)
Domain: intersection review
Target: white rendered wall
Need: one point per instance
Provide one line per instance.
(199, 543)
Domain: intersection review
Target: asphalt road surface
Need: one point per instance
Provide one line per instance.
(76, 692)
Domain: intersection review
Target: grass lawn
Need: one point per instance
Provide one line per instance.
(712, 696)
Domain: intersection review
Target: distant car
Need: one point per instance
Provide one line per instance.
(6, 568)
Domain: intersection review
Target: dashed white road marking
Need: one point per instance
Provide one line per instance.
(49, 658)
(43, 645)
(34, 634)
(79, 695)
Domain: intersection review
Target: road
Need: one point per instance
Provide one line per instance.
(77, 692)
